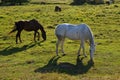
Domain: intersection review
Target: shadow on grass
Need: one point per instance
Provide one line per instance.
(11, 50)
(67, 68)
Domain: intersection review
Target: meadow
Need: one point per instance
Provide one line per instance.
(37, 60)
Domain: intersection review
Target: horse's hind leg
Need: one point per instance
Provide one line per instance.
(18, 36)
(60, 40)
(57, 45)
(62, 43)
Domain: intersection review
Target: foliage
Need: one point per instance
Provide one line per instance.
(13, 2)
(78, 2)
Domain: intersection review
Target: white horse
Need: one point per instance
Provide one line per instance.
(80, 32)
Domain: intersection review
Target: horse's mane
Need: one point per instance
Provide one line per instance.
(91, 36)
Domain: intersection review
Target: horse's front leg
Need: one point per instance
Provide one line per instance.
(38, 35)
(35, 36)
(79, 50)
(83, 47)
(92, 50)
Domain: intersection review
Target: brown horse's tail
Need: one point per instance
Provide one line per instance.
(14, 29)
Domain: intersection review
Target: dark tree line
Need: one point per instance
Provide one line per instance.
(14, 2)
(78, 2)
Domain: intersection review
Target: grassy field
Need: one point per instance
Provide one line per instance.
(37, 61)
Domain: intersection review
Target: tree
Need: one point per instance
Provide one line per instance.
(78, 2)
(14, 2)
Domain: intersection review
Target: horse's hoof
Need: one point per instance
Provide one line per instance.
(85, 56)
(57, 55)
(91, 62)
(63, 54)
(42, 40)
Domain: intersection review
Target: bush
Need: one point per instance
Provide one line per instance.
(14, 2)
(78, 2)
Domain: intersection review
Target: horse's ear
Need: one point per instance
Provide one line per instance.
(15, 22)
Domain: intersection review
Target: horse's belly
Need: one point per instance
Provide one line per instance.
(73, 36)
(30, 29)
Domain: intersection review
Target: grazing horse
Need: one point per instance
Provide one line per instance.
(80, 32)
(31, 25)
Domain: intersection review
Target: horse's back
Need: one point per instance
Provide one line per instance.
(74, 32)
(31, 25)
(67, 30)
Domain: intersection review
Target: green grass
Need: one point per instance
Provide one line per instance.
(37, 61)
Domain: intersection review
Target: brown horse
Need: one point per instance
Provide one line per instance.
(31, 25)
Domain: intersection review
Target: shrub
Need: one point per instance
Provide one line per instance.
(77, 2)
(14, 2)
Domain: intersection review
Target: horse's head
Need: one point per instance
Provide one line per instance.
(42, 30)
(44, 35)
(92, 49)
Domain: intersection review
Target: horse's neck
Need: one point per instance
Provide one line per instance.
(41, 28)
(92, 40)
